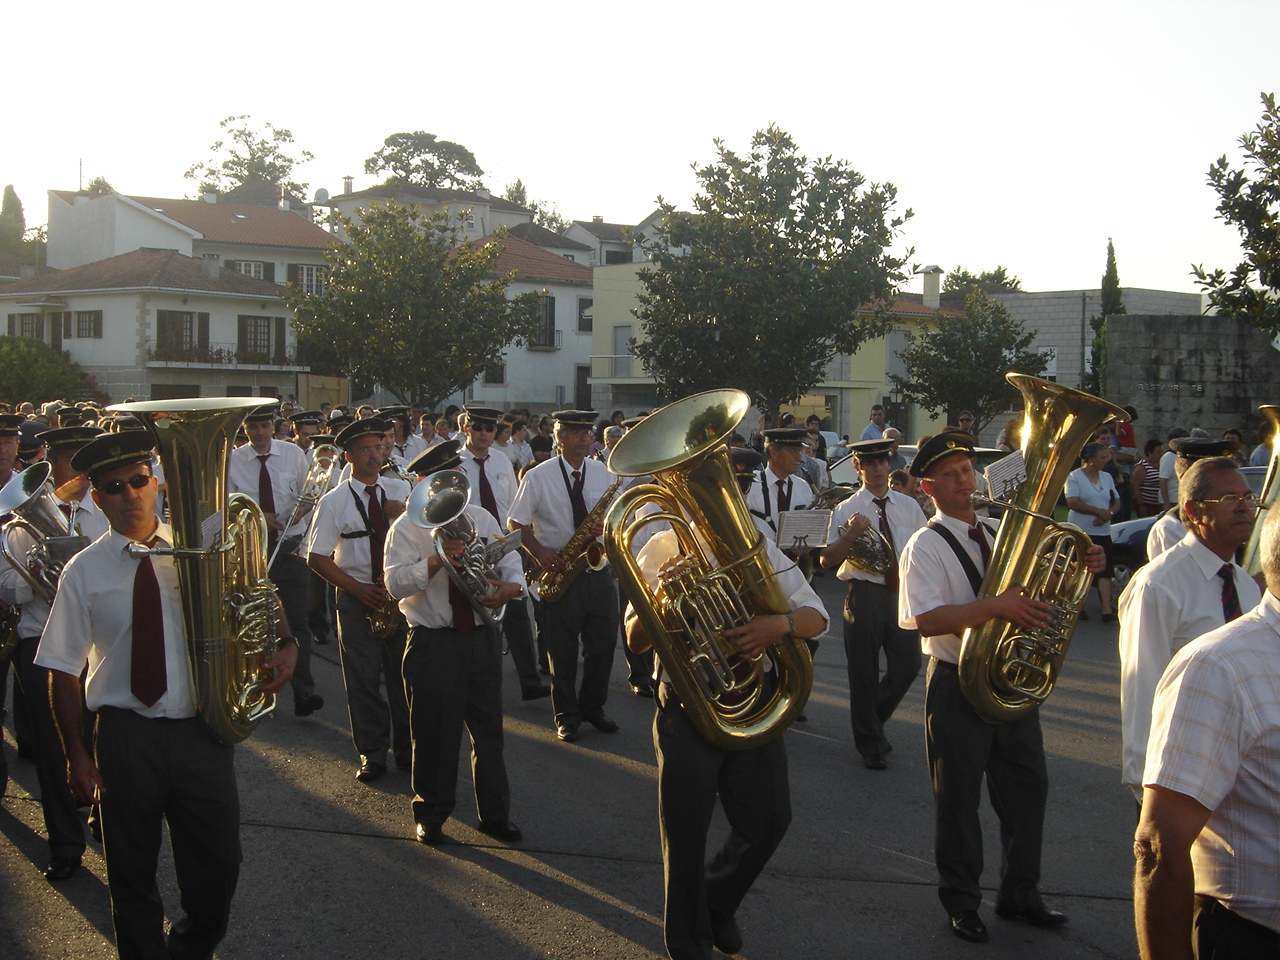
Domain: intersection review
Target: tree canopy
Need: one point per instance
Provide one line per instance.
(784, 263)
(408, 305)
(420, 158)
(1249, 200)
(1112, 305)
(13, 222)
(544, 214)
(32, 370)
(250, 155)
(100, 186)
(961, 365)
(962, 279)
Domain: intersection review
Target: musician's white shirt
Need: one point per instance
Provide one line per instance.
(766, 515)
(542, 501)
(1164, 533)
(904, 515)
(337, 513)
(92, 621)
(500, 474)
(286, 465)
(932, 577)
(425, 600)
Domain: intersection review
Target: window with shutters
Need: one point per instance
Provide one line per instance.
(250, 268)
(307, 277)
(253, 343)
(26, 325)
(495, 374)
(544, 336)
(88, 324)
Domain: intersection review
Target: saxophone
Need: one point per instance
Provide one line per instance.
(582, 552)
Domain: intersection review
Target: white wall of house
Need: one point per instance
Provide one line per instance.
(94, 228)
(481, 218)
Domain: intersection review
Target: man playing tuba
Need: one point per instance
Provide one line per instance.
(155, 758)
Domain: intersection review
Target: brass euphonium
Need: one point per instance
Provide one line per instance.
(220, 549)
(1251, 560)
(30, 499)
(1006, 669)
(725, 579)
(324, 458)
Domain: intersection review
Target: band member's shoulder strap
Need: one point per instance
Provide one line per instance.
(966, 562)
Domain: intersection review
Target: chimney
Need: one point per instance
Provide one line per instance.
(210, 265)
(597, 219)
(211, 196)
(27, 271)
(933, 286)
(483, 193)
(346, 183)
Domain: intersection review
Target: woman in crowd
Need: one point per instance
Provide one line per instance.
(1092, 500)
(1146, 479)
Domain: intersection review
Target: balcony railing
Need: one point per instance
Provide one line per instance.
(217, 355)
(545, 339)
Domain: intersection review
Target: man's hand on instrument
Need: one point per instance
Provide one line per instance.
(506, 591)
(281, 667)
(372, 595)
(1015, 606)
(597, 528)
(393, 509)
(546, 558)
(453, 550)
(1095, 559)
(272, 522)
(758, 633)
(858, 525)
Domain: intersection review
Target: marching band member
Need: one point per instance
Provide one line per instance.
(942, 568)
(701, 898)
(493, 486)
(778, 488)
(155, 759)
(554, 499)
(348, 534)
(1169, 528)
(302, 428)
(405, 444)
(871, 607)
(273, 473)
(9, 426)
(1193, 587)
(62, 823)
(452, 667)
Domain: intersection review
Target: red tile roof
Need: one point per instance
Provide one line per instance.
(235, 222)
(912, 304)
(544, 237)
(531, 262)
(145, 268)
(410, 191)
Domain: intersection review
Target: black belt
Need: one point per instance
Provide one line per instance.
(125, 711)
(1256, 940)
(939, 662)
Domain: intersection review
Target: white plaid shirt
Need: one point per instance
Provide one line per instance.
(1215, 737)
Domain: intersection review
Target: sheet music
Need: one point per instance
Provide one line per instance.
(800, 530)
(1006, 475)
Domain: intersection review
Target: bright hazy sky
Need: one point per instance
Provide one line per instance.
(1022, 134)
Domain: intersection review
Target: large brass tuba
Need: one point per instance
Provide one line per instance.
(1251, 561)
(1006, 670)
(220, 548)
(725, 579)
(30, 499)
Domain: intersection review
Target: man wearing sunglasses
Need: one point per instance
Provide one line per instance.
(154, 758)
(1193, 587)
(493, 485)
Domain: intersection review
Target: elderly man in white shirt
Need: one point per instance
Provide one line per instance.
(1209, 838)
(1182, 594)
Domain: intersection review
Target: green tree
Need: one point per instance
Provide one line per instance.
(250, 155)
(1112, 305)
(32, 370)
(544, 214)
(1249, 200)
(961, 365)
(99, 187)
(784, 264)
(962, 279)
(13, 222)
(422, 159)
(406, 305)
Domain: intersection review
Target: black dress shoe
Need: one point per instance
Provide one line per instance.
(536, 693)
(726, 935)
(602, 722)
(61, 868)
(567, 732)
(503, 830)
(370, 770)
(967, 925)
(875, 761)
(429, 833)
(306, 706)
(642, 690)
(1038, 915)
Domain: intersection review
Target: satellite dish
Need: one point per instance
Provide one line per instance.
(322, 195)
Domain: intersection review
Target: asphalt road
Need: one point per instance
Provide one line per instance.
(331, 869)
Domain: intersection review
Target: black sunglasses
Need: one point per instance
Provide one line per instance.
(113, 487)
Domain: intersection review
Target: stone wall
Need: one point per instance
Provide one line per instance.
(1191, 371)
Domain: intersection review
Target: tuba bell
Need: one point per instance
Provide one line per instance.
(724, 579)
(220, 549)
(1005, 670)
(1251, 560)
(29, 498)
(438, 503)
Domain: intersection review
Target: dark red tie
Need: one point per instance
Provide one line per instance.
(377, 533)
(464, 618)
(487, 499)
(782, 497)
(891, 575)
(579, 504)
(977, 534)
(266, 496)
(1230, 598)
(148, 677)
